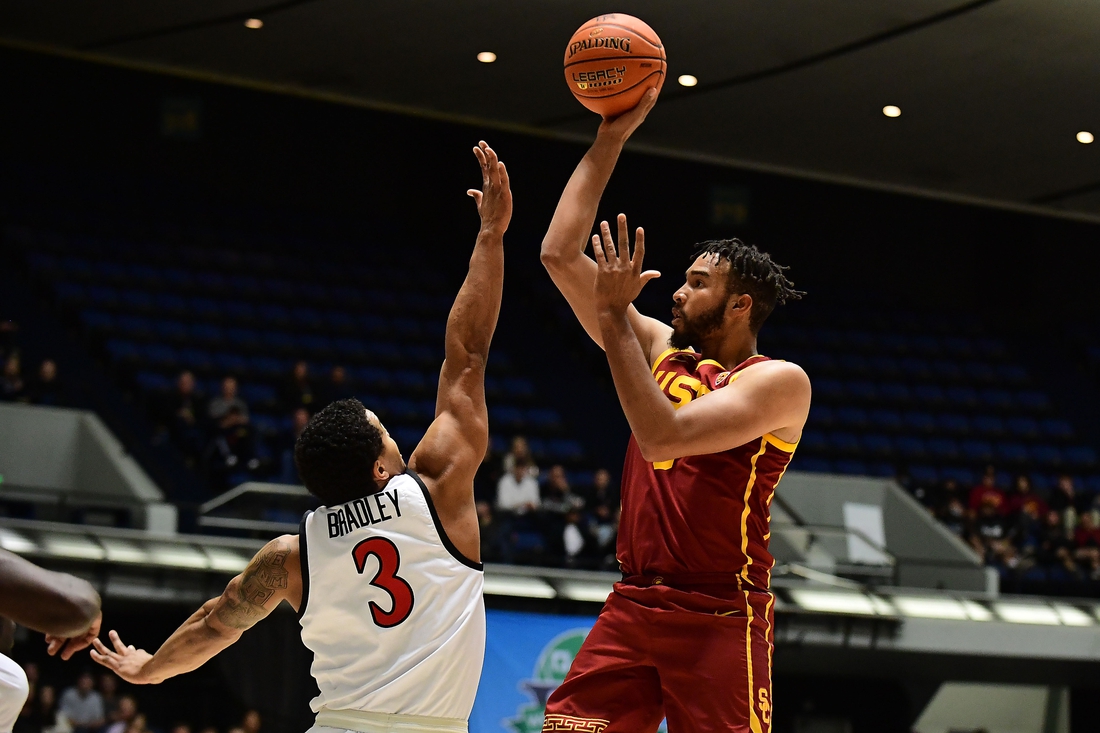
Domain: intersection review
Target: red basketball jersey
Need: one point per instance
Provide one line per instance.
(706, 517)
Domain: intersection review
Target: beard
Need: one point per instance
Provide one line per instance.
(693, 331)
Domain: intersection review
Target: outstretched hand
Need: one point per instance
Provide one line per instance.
(125, 661)
(619, 277)
(494, 200)
(68, 646)
(623, 126)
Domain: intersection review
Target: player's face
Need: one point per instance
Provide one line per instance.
(699, 306)
(391, 455)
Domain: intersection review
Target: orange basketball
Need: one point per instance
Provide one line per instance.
(611, 61)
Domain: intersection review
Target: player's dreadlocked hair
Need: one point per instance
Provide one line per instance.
(755, 273)
(336, 453)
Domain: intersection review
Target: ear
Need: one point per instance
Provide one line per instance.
(742, 302)
(380, 474)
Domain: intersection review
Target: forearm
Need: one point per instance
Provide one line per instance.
(576, 211)
(190, 646)
(45, 601)
(473, 316)
(650, 415)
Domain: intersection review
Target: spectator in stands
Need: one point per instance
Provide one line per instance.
(1055, 548)
(221, 405)
(288, 471)
(83, 706)
(44, 716)
(1086, 544)
(1067, 501)
(954, 516)
(108, 690)
(517, 491)
(138, 725)
(182, 411)
(298, 390)
(46, 388)
(181, 728)
(987, 493)
(557, 496)
(603, 528)
(336, 389)
(603, 493)
(1024, 500)
(520, 453)
(251, 722)
(124, 714)
(12, 386)
(573, 537)
(991, 536)
(491, 539)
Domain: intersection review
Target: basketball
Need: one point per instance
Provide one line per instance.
(611, 61)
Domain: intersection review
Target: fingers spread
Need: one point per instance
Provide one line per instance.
(624, 238)
(597, 250)
(116, 641)
(639, 249)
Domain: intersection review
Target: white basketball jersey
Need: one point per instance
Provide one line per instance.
(393, 613)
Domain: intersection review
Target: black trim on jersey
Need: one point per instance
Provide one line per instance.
(450, 547)
(303, 558)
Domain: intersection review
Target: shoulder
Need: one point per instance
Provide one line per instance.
(773, 372)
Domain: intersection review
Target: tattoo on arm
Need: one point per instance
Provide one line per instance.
(243, 606)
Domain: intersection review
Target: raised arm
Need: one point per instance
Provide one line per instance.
(64, 608)
(772, 397)
(454, 445)
(273, 576)
(563, 246)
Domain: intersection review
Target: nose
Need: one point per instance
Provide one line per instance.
(679, 297)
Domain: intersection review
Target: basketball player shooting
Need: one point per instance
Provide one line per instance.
(687, 633)
(386, 575)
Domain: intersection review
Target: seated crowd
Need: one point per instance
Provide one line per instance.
(1027, 535)
(100, 706)
(38, 387)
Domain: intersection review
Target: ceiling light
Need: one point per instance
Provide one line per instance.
(1020, 613)
(518, 586)
(254, 23)
(827, 602)
(977, 612)
(584, 591)
(945, 608)
(1072, 616)
(486, 57)
(1084, 137)
(687, 80)
(891, 111)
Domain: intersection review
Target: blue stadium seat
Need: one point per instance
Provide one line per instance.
(537, 447)
(821, 416)
(77, 268)
(565, 450)
(308, 318)
(341, 322)
(990, 348)
(852, 417)
(212, 282)
(877, 445)
(963, 398)
(895, 343)
(811, 464)
(977, 372)
(958, 347)
(170, 304)
(910, 447)
(1013, 374)
(205, 308)
(860, 390)
(1012, 453)
(885, 367)
(1040, 482)
(240, 312)
(885, 469)
(145, 276)
(989, 426)
(951, 424)
(103, 297)
(946, 371)
(518, 387)
(1091, 484)
(269, 367)
(813, 441)
(422, 354)
(544, 419)
(920, 422)
(943, 449)
(1056, 429)
(828, 390)
(926, 345)
(171, 331)
(1033, 401)
(161, 355)
(844, 442)
(854, 365)
(266, 425)
(245, 285)
(862, 341)
(916, 369)
(373, 377)
(227, 363)
(407, 438)
(963, 476)
(316, 345)
(893, 393)
(134, 327)
(997, 399)
(1023, 427)
(929, 396)
(351, 348)
(278, 289)
(123, 351)
(206, 333)
(889, 420)
(258, 395)
(819, 364)
(1081, 456)
(177, 279)
(71, 293)
(196, 360)
(279, 342)
(102, 323)
(923, 474)
(154, 382)
(851, 467)
(409, 380)
(505, 416)
(977, 451)
(273, 315)
(244, 339)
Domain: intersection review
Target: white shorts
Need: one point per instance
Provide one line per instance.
(13, 692)
(356, 721)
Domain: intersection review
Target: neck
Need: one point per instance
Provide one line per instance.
(730, 351)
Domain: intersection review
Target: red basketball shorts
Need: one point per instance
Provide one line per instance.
(701, 662)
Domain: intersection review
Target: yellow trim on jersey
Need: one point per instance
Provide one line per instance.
(710, 361)
(745, 513)
(754, 721)
(781, 444)
(662, 357)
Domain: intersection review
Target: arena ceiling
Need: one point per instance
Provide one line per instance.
(992, 92)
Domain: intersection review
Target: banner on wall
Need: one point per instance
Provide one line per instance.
(527, 655)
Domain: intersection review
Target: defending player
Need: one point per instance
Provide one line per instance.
(687, 634)
(385, 576)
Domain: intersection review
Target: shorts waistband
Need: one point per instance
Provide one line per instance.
(684, 581)
(365, 722)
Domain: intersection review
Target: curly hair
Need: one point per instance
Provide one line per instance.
(755, 273)
(336, 453)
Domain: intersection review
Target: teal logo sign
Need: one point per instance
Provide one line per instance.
(550, 670)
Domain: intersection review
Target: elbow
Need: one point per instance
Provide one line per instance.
(550, 257)
(656, 451)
